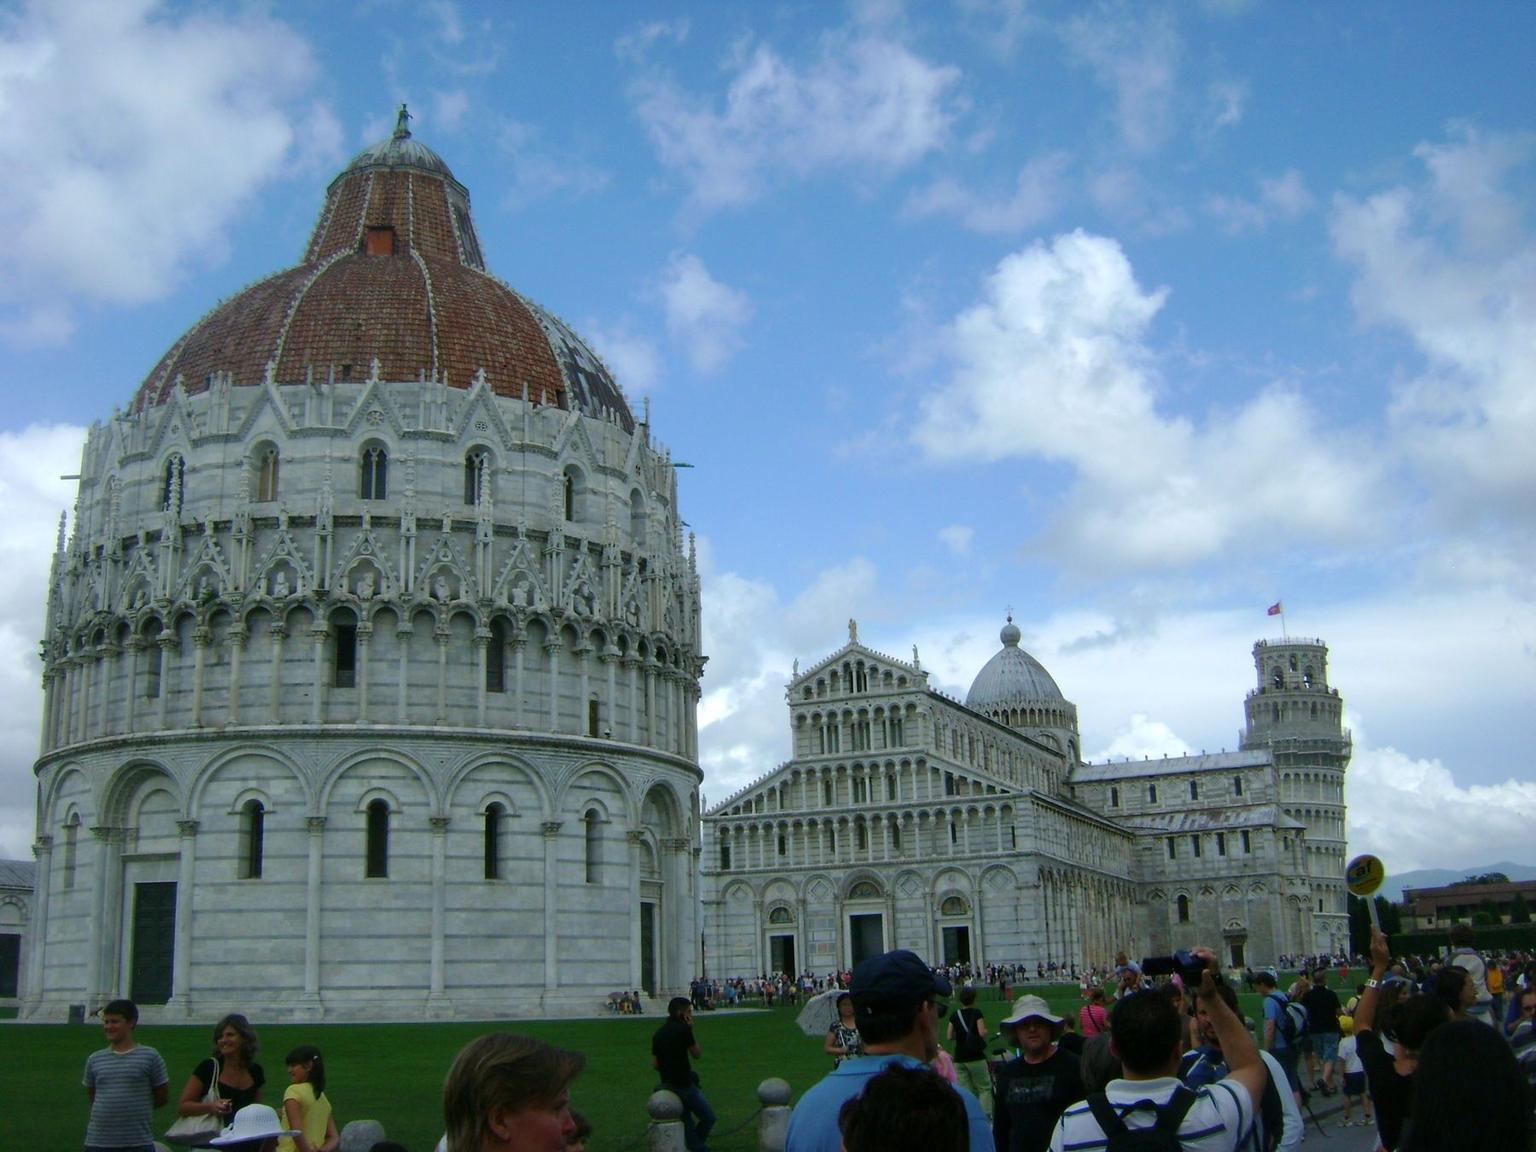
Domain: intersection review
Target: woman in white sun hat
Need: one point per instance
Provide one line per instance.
(255, 1128)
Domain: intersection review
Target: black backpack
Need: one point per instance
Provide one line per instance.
(1162, 1136)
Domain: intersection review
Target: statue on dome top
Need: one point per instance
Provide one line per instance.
(402, 124)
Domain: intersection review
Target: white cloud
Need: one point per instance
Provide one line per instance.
(1142, 738)
(957, 538)
(703, 315)
(1037, 195)
(33, 496)
(636, 46)
(1226, 101)
(1137, 59)
(864, 105)
(631, 356)
(1000, 25)
(1283, 197)
(1054, 363)
(1450, 262)
(449, 109)
(133, 134)
(539, 170)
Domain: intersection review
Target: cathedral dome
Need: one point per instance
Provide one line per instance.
(393, 276)
(1012, 677)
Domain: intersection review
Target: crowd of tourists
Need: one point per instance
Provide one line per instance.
(1434, 1053)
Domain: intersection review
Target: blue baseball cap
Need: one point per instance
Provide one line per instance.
(899, 977)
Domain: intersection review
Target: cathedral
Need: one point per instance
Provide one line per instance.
(975, 833)
(372, 654)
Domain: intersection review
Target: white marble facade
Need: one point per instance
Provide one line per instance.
(972, 833)
(370, 694)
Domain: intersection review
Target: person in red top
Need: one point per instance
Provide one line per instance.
(1093, 1017)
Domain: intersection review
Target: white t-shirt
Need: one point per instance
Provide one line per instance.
(1219, 1120)
(1349, 1052)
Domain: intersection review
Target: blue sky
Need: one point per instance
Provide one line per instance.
(1132, 319)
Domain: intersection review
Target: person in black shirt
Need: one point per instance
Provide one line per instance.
(1322, 1005)
(671, 1047)
(1035, 1089)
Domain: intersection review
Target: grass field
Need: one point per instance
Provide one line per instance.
(393, 1073)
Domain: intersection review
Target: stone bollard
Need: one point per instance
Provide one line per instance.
(666, 1131)
(360, 1135)
(773, 1123)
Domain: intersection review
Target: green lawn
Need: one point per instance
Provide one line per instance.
(394, 1072)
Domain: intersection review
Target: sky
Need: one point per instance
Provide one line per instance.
(1128, 319)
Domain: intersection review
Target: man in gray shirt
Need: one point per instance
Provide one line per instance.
(125, 1082)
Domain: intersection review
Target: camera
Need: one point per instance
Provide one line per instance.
(1188, 966)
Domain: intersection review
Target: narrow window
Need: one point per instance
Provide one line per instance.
(1221, 843)
(1247, 844)
(1194, 845)
(890, 787)
(783, 844)
(949, 783)
(568, 495)
(153, 657)
(344, 654)
(377, 864)
(1151, 793)
(1183, 903)
(253, 819)
(474, 476)
(496, 658)
(171, 491)
(594, 718)
(954, 833)
(1013, 836)
(826, 793)
(493, 819)
(725, 857)
(266, 475)
(861, 836)
(1114, 797)
(1173, 848)
(594, 845)
(375, 473)
(71, 846)
(1194, 790)
(1237, 785)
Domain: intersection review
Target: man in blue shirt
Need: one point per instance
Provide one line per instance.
(896, 1003)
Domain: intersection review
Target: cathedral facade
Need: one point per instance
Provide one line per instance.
(974, 833)
(372, 654)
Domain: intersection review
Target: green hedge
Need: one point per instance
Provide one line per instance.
(1490, 938)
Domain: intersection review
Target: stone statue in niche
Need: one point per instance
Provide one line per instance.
(583, 603)
(280, 587)
(366, 585)
(441, 589)
(520, 594)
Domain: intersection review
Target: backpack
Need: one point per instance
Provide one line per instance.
(1293, 1021)
(969, 1046)
(1162, 1136)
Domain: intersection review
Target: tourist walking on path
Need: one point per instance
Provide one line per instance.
(125, 1082)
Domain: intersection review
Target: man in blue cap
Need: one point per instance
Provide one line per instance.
(897, 1001)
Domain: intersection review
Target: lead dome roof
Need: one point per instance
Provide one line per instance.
(1012, 677)
(394, 273)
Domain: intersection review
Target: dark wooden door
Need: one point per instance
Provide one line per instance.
(154, 942)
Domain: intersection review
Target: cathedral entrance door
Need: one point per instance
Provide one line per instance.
(648, 947)
(957, 945)
(154, 942)
(781, 954)
(866, 936)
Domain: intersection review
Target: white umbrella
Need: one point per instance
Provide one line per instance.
(819, 1012)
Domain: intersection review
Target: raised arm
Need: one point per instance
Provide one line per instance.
(1244, 1065)
(1381, 961)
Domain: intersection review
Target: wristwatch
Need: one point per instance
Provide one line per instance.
(1373, 983)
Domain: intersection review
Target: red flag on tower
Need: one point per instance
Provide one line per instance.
(1276, 609)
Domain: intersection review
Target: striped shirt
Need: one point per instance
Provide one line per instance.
(1218, 1121)
(124, 1102)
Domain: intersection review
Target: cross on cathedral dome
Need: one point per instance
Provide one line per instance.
(393, 273)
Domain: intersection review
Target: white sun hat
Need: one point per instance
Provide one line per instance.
(253, 1122)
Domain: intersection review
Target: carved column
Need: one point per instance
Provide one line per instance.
(317, 636)
(441, 635)
(316, 827)
(168, 647)
(364, 643)
(42, 852)
(403, 639)
(99, 977)
(552, 654)
(608, 718)
(636, 847)
(583, 653)
(186, 879)
(551, 905)
(631, 673)
(238, 636)
(439, 826)
(519, 646)
(201, 636)
(275, 688)
(482, 661)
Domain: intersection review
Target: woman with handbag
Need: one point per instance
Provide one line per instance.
(221, 1085)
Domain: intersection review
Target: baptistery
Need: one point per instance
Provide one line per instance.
(372, 654)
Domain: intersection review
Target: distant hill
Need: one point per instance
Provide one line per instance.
(1435, 877)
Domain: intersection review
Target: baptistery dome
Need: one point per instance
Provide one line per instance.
(394, 275)
(372, 654)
